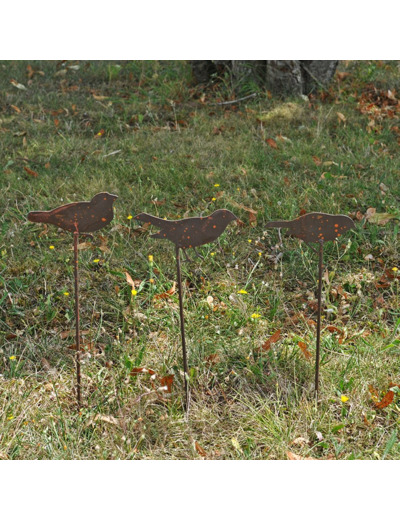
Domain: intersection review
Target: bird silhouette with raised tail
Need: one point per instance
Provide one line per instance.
(190, 233)
(81, 217)
(316, 227)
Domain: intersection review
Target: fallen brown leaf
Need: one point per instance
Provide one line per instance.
(386, 401)
(271, 143)
(341, 117)
(304, 349)
(141, 370)
(380, 219)
(300, 441)
(200, 450)
(270, 341)
(17, 85)
(167, 381)
(71, 332)
(317, 160)
(107, 419)
(87, 346)
(158, 202)
(293, 456)
(31, 172)
(212, 359)
(166, 294)
(129, 280)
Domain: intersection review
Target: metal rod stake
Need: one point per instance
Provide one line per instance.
(77, 324)
(185, 363)
(317, 354)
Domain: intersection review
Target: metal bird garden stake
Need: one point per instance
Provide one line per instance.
(188, 233)
(318, 228)
(79, 218)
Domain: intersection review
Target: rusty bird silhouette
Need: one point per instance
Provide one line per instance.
(316, 227)
(83, 217)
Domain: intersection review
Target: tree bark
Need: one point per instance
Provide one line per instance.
(281, 77)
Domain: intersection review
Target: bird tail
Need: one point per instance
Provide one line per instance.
(155, 221)
(279, 224)
(38, 216)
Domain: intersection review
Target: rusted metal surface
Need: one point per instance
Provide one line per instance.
(77, 320)
(319, 311)
(320, 228)
(79, 218)
(182, 322)
(314, 227)
(83, 217)
(188, 233)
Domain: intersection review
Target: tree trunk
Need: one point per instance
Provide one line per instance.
(281, 77)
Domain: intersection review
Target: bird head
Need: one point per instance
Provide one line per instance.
(346, 223)
(104, 196)
(224, 215)
(351, 224)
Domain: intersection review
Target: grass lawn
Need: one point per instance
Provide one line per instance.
(142, 131)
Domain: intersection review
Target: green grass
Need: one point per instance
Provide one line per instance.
(163, 145)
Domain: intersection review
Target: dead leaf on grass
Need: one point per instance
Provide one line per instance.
(71, 332)
(304, 349)
(210, 301)
(212, 359)
(200, 450)
(167, 381)
(88, 346)
(166, 294)
(17, 85)
(132, 283)
(386, 401)
(270, 341)
(31, 172)
(107, 419)
(141, 370)
(272, 143)
(300, 441)
(380, 219)
(293, 456)
(158, 202)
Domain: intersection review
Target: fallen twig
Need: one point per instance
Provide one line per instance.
(255, 94)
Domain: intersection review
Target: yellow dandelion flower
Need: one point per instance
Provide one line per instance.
(259, 253)
(133, 292)
(66, 293)
(151, 280)
(96, 260)
(249, 241)
(242, 291)
(10, 418)
(344, 398)
(395, 269)
(129, 217)
(212, 254)
(51, 247)
(151, 258)
(255, 315)
(216, 185)
(12, 358)
(213, 199)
